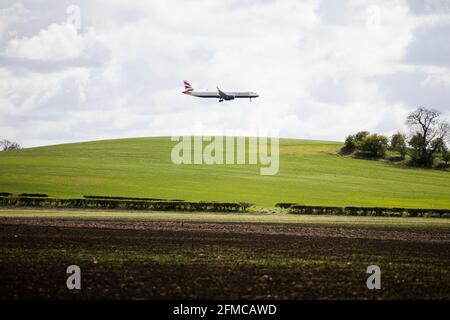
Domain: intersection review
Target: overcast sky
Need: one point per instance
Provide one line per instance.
(323, 69)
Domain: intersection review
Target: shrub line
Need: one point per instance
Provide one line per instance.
(123, 204)
(365, 211)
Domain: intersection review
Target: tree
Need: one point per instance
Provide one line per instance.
(374, 145)
(8, 145)
(359, 137)
(353, 141)
(446, 156)
(349, 144)
(428, 134)
(439, 145)
(398, 144)
(415, 142)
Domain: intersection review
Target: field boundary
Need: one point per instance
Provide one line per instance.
(124, 204)
(364, 211)
(154, 204)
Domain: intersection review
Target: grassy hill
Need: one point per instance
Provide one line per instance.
(310, 173)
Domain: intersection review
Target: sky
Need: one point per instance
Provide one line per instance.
(88, 70)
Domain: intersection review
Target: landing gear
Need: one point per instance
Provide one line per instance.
(220, 100)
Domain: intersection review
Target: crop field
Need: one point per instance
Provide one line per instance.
(265, 253)
(310, 173)
(156, 255)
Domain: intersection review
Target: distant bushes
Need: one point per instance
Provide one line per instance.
(366, 145)
(37, 195)
(5, 194)
(128, 203)
(398, 144)
(284, 205)
(125, 204)
(6, 145)
(427, 144)
(353, 141)
(373, 146)
(369, 211)
(125, 198)
(302, 209)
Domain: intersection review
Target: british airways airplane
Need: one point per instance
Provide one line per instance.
(219, 94)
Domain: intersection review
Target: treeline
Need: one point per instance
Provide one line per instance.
(365, 211)
(126, 198)
(9, 194)
(6, 145)
(43, 195)
(366, 145)
(129, 203)
(87, 203)
(426, 143)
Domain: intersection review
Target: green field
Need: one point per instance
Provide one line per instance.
(310, 173)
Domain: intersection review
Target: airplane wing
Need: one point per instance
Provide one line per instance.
(224, 96)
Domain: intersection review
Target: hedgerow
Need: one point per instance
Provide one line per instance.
(37, 195)
(369, 211)
(284, 205)
(125, 198)
(125, 204)
(5, 194)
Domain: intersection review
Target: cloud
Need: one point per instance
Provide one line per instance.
(10, 16)
(57, 42)
(322, 69)
(430, 45)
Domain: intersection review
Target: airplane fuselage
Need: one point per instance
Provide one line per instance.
(219, 94)
(212, 94)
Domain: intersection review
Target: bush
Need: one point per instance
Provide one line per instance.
(398, 144)
(374, 146)
(369, 211)
(349, 144)
(284, 205)
(360, 136)
(5, 194)
(6, 145)
(446, 156)
(302, 209)
(353, 142)
(125, 204)
(37, 195)
(124, 198)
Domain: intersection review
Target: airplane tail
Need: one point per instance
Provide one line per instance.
(187, 87)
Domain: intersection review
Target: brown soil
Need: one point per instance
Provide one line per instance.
(142, 259)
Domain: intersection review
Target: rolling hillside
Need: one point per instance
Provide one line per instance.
(310, 173)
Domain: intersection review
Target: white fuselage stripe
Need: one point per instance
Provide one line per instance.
(210, 94)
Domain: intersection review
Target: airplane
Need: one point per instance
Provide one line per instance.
(189, 90)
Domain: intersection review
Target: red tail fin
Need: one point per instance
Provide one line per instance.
(188, 88)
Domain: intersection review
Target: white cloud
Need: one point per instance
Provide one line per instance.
(318, 73)
(9, 16)
(436, 77)
(23, 95)
(57, 42)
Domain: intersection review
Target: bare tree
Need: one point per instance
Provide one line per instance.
(429, 133)
(8, 145)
